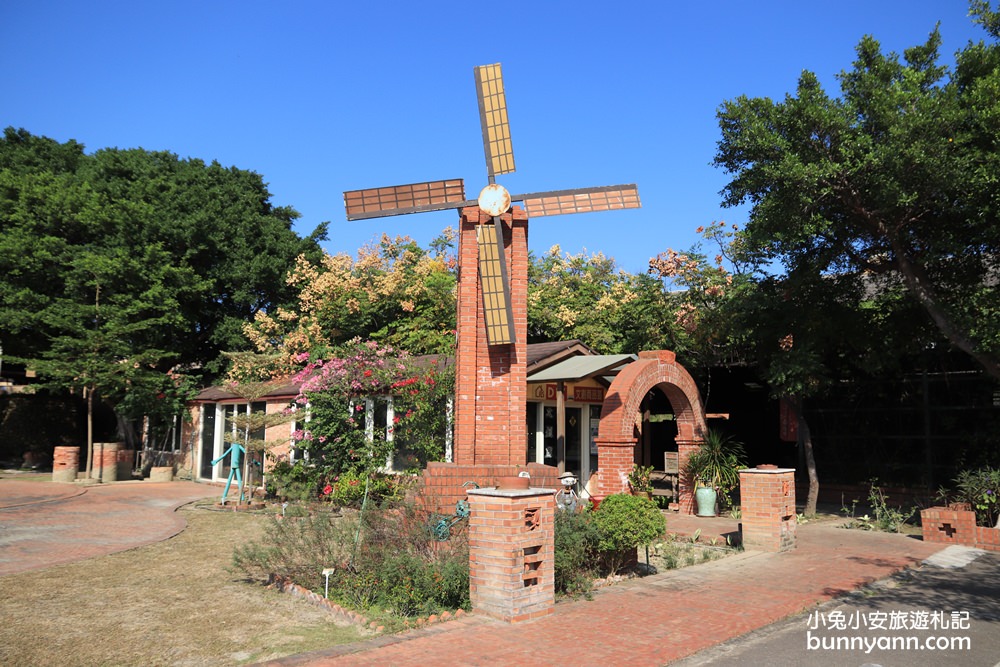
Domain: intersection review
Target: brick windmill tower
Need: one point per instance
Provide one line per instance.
(491, 359)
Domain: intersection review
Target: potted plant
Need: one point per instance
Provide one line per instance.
(715, 469)
(640, 480)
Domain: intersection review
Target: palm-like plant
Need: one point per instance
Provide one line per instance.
(718, 462)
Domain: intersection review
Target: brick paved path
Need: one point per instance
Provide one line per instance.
(658, 619)
(46, 523)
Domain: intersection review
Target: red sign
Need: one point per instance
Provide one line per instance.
(788, 422)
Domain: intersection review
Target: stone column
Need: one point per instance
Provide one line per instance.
(511, 552)
(767, 506)
(65, 464)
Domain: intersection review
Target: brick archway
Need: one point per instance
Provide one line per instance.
(616, 439)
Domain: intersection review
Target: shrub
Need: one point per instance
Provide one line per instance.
(348, 489)
(384, 559)
(884, 517)
(980, 489)
(298, 549)
(625, 522)
(576, 539)
(291, 481)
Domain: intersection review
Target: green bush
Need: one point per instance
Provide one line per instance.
(384, 561)
(980, 489)
(292, 481)
(348, 489)
(625, 522)
(298, 549)
(576, 539)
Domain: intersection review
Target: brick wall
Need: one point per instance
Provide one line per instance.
(956, 525)
(444, 484)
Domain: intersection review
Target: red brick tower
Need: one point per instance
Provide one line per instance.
(491, 381)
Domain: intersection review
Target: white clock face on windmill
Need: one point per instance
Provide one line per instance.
(494, 199)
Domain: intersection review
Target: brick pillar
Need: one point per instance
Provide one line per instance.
(511, 552)
(767, 505)
(109, 462)
(617, 458)
(65, 464)
(685, 486)
(491, 382)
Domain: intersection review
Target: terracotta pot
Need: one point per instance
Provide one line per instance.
(513, 482)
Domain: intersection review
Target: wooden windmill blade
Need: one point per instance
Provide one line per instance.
(495, 201)
(493, 118)
(403, 199)
(580, 200)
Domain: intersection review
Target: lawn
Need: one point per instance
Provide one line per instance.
(171, 603)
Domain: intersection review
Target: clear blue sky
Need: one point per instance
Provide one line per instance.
(322, 97)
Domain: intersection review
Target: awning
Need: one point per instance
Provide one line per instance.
(579, 368)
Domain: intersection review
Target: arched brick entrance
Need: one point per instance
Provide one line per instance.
(616, 439)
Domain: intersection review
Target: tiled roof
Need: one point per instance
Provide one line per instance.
(540, 355)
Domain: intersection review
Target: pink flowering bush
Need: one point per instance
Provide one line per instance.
(336, 391)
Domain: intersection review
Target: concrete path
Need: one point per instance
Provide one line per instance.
(46, 523)
(658, 619)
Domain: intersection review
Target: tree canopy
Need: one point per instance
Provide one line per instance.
(894, 181)
(587, 297)
(119, 266)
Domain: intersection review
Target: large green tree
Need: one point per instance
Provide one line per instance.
(121, 266)
(896, 179)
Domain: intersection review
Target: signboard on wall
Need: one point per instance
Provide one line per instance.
(578, 393)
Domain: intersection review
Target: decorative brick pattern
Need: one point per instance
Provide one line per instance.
(953, 525)
(617, 436)
(65, 464)
(491, 382)
(511, 552)
(767, 507)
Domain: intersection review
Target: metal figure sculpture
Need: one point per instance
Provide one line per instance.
(235, 452)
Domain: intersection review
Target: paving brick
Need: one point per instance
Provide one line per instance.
(658, 619)
(49, 523)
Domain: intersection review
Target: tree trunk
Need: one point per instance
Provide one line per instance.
(805, 441)
(920, 287)
(90, 430)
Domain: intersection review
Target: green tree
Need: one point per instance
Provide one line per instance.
(805, 330)
(894, 179)
(123, 270)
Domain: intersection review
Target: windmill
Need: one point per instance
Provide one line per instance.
(493, 199)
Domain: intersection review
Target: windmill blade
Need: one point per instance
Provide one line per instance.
(493, 118)
(402, 199)
(580, 200)
(494, 284)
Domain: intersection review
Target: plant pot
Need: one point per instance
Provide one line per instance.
(513, 482)
(705, 497)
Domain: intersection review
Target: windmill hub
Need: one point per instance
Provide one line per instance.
(494, 199)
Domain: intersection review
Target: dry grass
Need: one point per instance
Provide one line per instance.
(172, 603)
